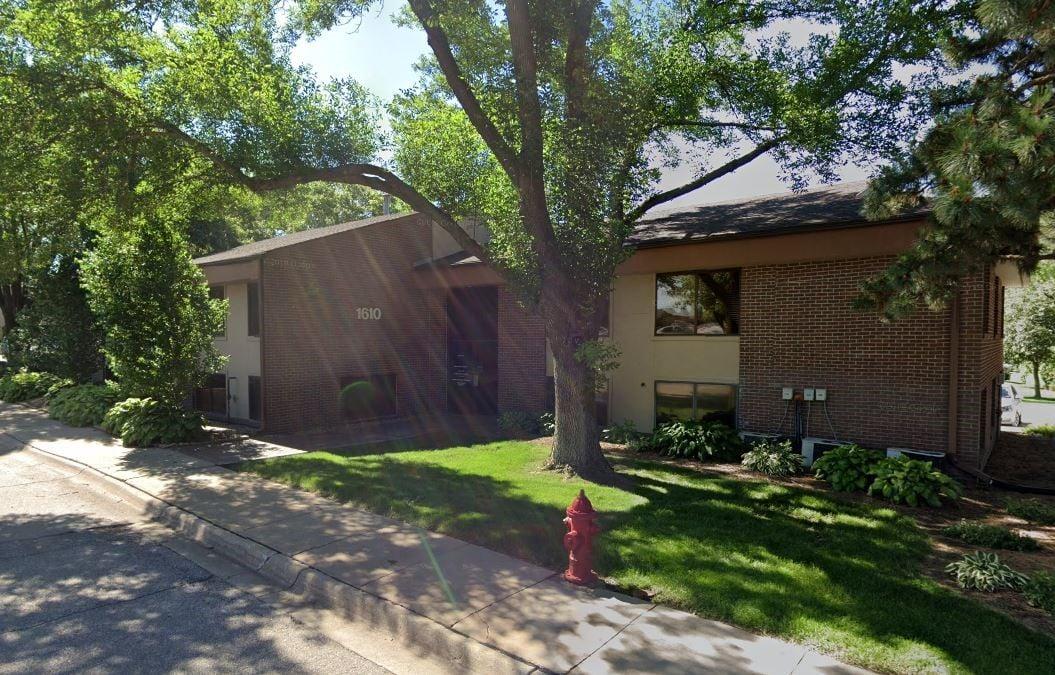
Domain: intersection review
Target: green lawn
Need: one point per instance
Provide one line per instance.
(776, 560)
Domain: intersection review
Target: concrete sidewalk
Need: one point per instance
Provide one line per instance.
(523, 611)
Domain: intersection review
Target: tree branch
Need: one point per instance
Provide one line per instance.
(367, 175)
(441, 47)
(727, 168)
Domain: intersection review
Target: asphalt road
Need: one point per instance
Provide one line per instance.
(86, 586)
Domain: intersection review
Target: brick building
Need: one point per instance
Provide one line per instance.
(720, 310)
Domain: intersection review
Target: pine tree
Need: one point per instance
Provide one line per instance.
(987, 166)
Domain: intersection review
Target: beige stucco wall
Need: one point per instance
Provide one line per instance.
(243, 351)
(647, 358)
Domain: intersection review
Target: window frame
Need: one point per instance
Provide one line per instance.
(738, 271)
(735, 390)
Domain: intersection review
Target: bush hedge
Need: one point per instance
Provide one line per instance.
(145, 421)
(27, 385)
(83, 405)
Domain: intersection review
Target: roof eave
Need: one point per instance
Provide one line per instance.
(818, 227)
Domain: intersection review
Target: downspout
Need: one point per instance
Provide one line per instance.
(263, 338)
(953, 383)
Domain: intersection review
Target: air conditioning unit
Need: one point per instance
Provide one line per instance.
(937, 459)
(813, 448)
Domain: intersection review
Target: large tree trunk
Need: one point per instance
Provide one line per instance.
(576, 441)
(1036, 379)
(12, 299)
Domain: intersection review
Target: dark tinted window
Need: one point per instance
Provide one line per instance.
(254, 398)
(685, 401)
(253, 301)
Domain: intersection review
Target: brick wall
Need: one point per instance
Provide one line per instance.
(313, 337)
(521, 357)
(981, 365)
(887, 383)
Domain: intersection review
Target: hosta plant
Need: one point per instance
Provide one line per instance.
(26, 385)
(624, 432)
(913, 482)
(980, 571)
(990, 536)
(144, 421)
(83, 405)
(695, 440)
(773, 458)
(847, 467)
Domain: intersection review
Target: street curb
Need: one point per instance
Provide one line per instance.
(307, 584)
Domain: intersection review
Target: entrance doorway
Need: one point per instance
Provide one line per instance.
(472, 350)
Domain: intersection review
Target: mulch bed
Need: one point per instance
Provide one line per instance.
(1023, 459)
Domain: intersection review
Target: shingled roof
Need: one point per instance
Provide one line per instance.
(831, 206)
(258, 248)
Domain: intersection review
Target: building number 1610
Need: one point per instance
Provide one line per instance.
(368, 313)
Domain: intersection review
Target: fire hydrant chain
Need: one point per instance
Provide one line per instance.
(578, 541)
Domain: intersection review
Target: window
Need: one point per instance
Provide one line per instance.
(253, 302)
(698, 303)
(218, 293)
(254, 398)
(687, 401)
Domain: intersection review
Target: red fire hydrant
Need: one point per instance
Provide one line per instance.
(582, 528)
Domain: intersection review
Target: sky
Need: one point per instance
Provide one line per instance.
(381, 56)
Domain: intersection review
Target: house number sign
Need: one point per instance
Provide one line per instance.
(368, 313)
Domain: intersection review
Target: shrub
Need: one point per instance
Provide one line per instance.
(144, 421)
(1040, 591)
(154, 305)
(624, 432)
(913, 482)
(1042, 430)
(547, 424)
(83, 405)
(25, 385)
(984, 572)
(57, 332)
(518, 422)
(773, 458)
(693, 440)
(847, 467)
(1033, 510)
(990, 536)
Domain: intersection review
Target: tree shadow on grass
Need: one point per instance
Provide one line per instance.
(769, 558)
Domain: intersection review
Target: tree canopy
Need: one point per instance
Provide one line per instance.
(987, 164)
(550, 120)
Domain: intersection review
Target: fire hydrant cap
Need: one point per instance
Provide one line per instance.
(581, 506)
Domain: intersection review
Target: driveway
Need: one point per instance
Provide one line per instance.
(86, 585)
(1034, 414)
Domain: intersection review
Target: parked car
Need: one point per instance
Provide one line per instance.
(1010, 398)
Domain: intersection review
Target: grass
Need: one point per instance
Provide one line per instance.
(1042, 430)
(802, 565)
